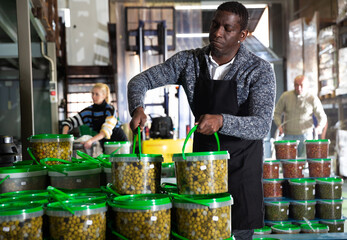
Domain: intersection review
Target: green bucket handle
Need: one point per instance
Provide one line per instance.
(188, 136)
(58, 192)
(134, 142)
(53, 194)
(3, 180)
(104, 162)
(175, 195)
(32, 155)
(119, 235)
(178, 236)
(44, 160)
(168, 184)
(111, 190)
(96, 160)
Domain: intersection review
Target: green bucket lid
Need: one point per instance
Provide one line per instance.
(293, 160)
(203, 199)
(25, 199)
(303, 202)
(279, 203)
(80, 190)
(332, 221)
(266, 239)
(287, 142)
(74, 167)
(77, 205)
(330, 180)
(25, 193)
(286, 227)
(136, 157)
(319, 159)
(315, 226)
(19, 208)
(318, 141)
(88, 196)
(217, 155)
(116, 143)
(51, 136)
(24, 162)
(329, 201)
(272, 161)
(263, 230)
(275, 180)
(306, 181)
(140, 201)
(21, 169)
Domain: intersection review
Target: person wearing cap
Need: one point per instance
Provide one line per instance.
(230, 91)
(298, 108)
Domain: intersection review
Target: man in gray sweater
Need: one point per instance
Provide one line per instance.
(230, 91)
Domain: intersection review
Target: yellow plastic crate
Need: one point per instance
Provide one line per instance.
(166, 147)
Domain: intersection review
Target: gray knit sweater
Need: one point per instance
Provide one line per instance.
(255, 82)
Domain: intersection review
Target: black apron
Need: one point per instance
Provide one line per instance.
(245, 166)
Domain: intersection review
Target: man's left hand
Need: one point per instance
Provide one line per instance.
(208, 124)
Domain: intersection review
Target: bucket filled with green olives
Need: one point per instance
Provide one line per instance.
(21, 221)
(51, 146)
(329, 188)
(201, 172)
(77, 219)
(20, 178)
(202, 216)
(142, 216)
(136, 173)
(75, 176)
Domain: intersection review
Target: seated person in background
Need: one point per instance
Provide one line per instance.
(100, 117)
(298, 107)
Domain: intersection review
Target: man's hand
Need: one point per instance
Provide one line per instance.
(138, 120)
(280, 130)
(209, 123)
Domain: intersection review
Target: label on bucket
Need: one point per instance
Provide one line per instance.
(23, 183)
(203, 167)
(89, 222)
(151, 166)
(6, 229)
(78, 180)
(154, 218)
(215, 218)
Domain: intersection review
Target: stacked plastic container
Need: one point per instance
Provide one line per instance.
(297, 198)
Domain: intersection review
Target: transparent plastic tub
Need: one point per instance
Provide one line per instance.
(319, 167)
(211, 212)
(286, 149)
(329, 188)
(21, 221)
(122, 147)
(302, 189)
(262, 231)
(52, 146)
(329, 209)
(286, 229)
(299, 210)
(136, 173)
(335, 225)
(314, 228)
(293, 168)
(83, 220)
(276, 210)
(271, 169)
(142, 216)
(75, 176)
(272, 188)
(317, 148)
(202, 172)
(21, 178)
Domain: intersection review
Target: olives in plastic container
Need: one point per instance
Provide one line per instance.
(317, 148)
(208, 217)
(136, 173)
(272, 188)
(142, 216)
(21, 221)
(314, 228)
(293, 168)
(24, 177)
(302, 189)
(286, 229)
(202, 172)
(286, 149)
(271, 169)
(329, 188)
(299, 210)
(77, 219)
(335, 225)
(122, 147)
(276, 210)
(51, 146)
(75, 176)
(329, 209)
(319, 167)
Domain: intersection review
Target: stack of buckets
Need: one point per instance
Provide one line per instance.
(200, 207)
(298, 203)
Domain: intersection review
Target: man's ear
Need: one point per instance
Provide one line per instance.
(243, 35)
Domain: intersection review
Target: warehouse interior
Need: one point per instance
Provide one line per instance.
(53, 51)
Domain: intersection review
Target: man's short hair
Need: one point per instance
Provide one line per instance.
(238, 9)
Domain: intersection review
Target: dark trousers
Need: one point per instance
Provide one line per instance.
(243, 234)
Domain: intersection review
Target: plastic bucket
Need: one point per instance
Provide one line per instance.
(319, 167)
(136, 173)
(201, 172)
(20, 178)
(299, 210)
(21, 221)
(302, 189)
(286, 229)
(286, 149)
(51, 146)
(122, 147)
(273, 188)
(293, 168)
(317, 148)
(262, 231)
(314, 228)
(335, 225)
(276, 210)
(329, 188)
(329, 209)
(168, 170)
(271, 169)
(211, 212)
(142, 216)
(77, 219)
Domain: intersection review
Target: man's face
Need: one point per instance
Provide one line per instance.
(225, 32)
(299, 85)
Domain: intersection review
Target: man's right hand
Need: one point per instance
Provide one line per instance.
(280, 130)
(138, 120)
